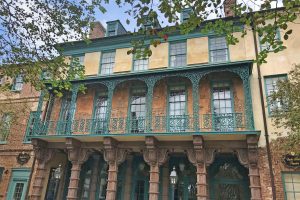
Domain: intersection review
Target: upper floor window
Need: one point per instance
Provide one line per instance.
(218, 49)
(178, 54)
(5, 126)
(100, 110)
(271, 85)
(111, 29)
(291, 181)
(139, 62)
(222, 104)
(107, 63)
(18, 83)
(266, 45)
(30, 126)
(138, 110)
(78, 59)
(185, 14)
(2, 80)
(222, 98)
(177, 108)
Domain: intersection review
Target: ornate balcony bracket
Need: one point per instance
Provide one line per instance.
(153, 155)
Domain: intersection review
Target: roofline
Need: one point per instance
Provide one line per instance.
(129, 34)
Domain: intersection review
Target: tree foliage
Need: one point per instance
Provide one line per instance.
(31, 29)
(288, 116)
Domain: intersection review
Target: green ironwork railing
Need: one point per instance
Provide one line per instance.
(226, 122)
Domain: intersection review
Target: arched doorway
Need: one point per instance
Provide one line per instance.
(228, 179)
(185, 188)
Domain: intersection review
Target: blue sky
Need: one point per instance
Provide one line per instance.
(114, 12)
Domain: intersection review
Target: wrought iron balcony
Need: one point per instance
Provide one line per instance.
(222, 123)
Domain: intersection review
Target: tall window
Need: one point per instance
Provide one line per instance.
(266, 44)
(177, 108)
(102, 182)
(100, 125)
(185, 14)
(111, 29)
(5, 126)
(218, 49)
(271, 87)
(222, 106)
(52, 186)
(140, 179)
(18, 83)
(65, 117)
(291, 181)
(79, 59)
(2, 80)
(139, 62)
(178, 54)
(30, 126)
(138, 110)
(107, 63)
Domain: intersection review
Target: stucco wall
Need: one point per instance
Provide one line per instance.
(277, 63)
(237, 52)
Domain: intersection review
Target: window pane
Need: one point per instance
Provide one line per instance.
(271, 87)
(107, 63)
(138, 110)
(177, 109)
(292, 185)
(218, 49)
(178, 54)
(18, 83)
(18, 191)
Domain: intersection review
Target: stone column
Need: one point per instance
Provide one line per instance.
(113, 156)
(77, 155)
(43, 156)
(94, 176)
(197, 157)
(155, 157)
(253, 167)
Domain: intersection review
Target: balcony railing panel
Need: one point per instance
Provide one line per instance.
(226, 122)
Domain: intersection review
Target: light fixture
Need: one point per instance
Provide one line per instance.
(173, 176)
(57, 172)
(142, 166)
(181, 166)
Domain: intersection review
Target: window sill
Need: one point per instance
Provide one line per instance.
(16, 91)
(3, 142)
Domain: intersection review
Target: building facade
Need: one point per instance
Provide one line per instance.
(192, 108)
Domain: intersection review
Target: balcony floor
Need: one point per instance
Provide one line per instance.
(135, 137)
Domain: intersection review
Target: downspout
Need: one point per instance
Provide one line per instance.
(262, 102)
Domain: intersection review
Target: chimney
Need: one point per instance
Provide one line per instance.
(98, 31)
(228, 5)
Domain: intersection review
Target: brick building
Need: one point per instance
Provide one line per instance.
(192, 108)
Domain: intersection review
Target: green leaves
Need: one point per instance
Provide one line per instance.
(288, 116)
